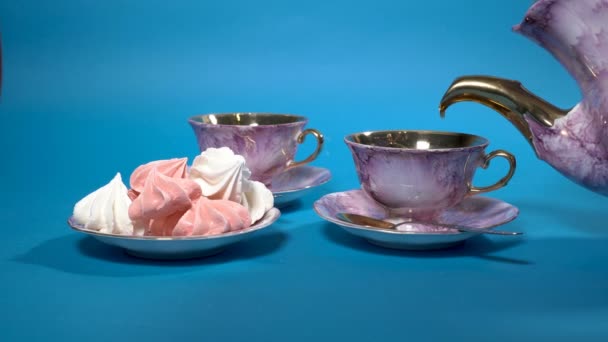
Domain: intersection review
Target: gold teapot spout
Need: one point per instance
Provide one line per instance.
(507, 97)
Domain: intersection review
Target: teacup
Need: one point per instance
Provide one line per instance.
(267, 141)
(419, 173)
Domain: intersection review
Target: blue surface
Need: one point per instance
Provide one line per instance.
(92, 88)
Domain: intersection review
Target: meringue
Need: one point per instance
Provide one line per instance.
(224, 175)
(257, 199)
(220, 173)
(160, 200)
(162, 226)
(212, 217)
(106, 210)
(165, 199)
(173, 168)
(162, 196)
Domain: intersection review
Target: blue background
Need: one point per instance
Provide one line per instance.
(91, 88)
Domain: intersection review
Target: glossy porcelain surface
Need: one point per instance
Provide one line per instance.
(297, 182)
(91, 88)
(267, 141)
(475, 212)
(150, 247)
(573, 141)
(416, 172)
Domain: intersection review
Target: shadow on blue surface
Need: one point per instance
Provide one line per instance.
(87, 256)
(480, 247)
(577, 215)
(291, 207)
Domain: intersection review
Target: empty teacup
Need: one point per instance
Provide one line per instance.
(419, 173)
(267, 141)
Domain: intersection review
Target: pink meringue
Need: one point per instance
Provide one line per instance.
(212, 217)
(132, 194)
(162, 196)
(162, 226)
(173, 168)
(167, 199)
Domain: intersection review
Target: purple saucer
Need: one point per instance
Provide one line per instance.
(292, 184)
(475, 212)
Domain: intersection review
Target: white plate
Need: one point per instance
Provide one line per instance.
(152, 247)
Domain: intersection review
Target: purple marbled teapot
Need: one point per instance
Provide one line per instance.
(574, 141)
(419, 173)
(267, 141)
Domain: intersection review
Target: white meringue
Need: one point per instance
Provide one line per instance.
(220, 173)
(257, 199)
(106, 209)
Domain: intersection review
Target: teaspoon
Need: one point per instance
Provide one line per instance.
(367, 221)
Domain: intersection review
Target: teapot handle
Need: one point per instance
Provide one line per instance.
(473, 190)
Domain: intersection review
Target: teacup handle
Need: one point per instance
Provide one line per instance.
(315, 154)
(473, 190)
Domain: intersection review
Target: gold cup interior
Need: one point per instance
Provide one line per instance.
(417, 140)
(248, 119)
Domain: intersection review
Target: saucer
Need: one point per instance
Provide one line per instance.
(297, 182)
(475, 212)
(165, 247)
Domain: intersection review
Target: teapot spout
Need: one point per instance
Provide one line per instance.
(507, 97)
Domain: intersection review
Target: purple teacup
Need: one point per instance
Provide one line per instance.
(419, 173)
(267, 141)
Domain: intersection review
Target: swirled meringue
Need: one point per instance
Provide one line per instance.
(163, 196)
(106, 209)
(212, 217)
(224, 175)
(162, 226)
(160, 204)
(257, 199)
(220, 173)
(173, 168)
(215, 197)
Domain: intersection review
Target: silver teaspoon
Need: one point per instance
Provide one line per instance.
(367, 221)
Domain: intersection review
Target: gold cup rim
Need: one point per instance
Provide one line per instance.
(247, 119)
(442, 141)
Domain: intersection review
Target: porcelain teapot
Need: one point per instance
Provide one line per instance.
(574, 141)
